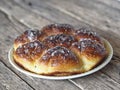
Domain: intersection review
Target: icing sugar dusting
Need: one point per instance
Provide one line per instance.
(87, 42)
(31, 48)
(60, 39)
(32, 34)
(85, 31)
(59, 51)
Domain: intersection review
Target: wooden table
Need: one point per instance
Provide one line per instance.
(18, 15)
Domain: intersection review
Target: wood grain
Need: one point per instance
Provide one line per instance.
(9, 80)
(113, 40)
(102, 16)
(6, 43)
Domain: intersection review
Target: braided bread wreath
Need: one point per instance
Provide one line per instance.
(59, 50)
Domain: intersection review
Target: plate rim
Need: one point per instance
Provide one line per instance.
(99, 67)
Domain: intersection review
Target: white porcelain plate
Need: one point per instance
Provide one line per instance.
(103, 64)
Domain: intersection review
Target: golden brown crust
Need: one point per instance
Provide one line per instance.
(54, 29)
(59, 50)
(86, 33)
(31, 50)
(59, 40)
(59, 55)
(89, 47)
(28, 36)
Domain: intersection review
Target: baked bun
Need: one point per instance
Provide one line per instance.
(59, 49)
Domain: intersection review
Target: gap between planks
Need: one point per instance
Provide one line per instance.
(36, 10)
(16, 74)
(74, 16)
(12, 19)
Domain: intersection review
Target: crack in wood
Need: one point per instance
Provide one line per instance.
(52, 21)
(33, 11)
(110, 87)
(77, 85)
(16, 73)
(110, 77)
(12, 19)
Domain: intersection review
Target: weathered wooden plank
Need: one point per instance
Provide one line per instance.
(34, 82)
(102, 32)
(107, 36)
(111, 3)
(6, 39)
(114, 71)
(99, 82)
(83, 5)
(43, 7)
(24, 16)
(47, 12)
(100, 14)
(10, 81)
